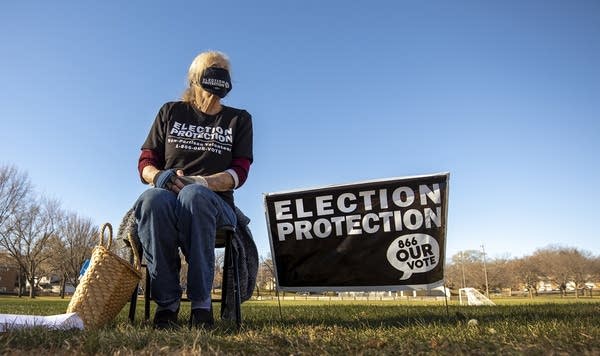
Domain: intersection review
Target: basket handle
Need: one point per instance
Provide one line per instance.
(110, 232)
(137, 259)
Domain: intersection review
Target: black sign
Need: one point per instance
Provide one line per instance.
(377, 235)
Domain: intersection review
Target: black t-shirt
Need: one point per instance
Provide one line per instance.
(200, 144)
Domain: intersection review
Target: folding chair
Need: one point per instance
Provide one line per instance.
(223, 239)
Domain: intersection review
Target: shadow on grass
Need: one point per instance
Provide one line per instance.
(359, 316)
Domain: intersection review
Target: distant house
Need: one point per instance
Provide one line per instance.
(8, 278)
(547, 286)
(9, 273)
(51, 284)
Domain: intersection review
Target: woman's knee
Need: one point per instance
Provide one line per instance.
(155, 198)
(195, 193)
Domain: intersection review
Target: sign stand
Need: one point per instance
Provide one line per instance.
(446, 299)
(279, 303)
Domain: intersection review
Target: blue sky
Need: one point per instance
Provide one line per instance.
(504, 95)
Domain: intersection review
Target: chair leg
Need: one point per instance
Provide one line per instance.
(133, 301)
(237, 295)
(147, 295)
(230, 262)
(133, 304)
(225, 276)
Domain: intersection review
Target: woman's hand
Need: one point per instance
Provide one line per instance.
(168, 179)
(218, 182)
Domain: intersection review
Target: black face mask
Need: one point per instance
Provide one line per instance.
(216, 81)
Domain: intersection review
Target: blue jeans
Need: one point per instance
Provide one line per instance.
(188, 221)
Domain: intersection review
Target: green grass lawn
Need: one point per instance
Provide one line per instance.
(515, 325)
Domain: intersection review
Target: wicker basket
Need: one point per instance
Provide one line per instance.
(106, 286)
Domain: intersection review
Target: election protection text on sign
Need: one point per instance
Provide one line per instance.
(385, 233)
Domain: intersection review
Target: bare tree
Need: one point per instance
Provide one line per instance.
(15, 189)
(595, 270)
(566, 265)
(55, 265)
(466, 269)
(500, 273)
(266, 274)
(26, 240)
(219, 263)
(183, 272)
(527, 271)
(73, 244)
(561, 266)
(79, 235)
(581, 268)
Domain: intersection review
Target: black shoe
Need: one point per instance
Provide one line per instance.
(202, 318)
(165, 319)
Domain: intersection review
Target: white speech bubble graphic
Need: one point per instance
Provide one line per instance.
(413, 253)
